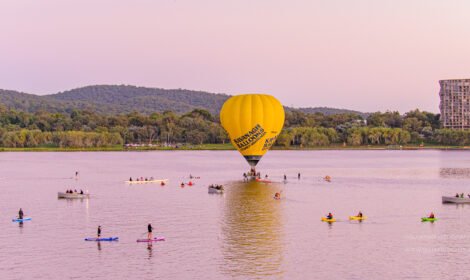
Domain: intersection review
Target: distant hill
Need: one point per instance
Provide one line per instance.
(330, 111)
(121, 99)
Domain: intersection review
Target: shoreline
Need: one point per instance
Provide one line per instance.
(228, 147)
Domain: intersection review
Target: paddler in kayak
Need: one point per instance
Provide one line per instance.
(329, 216)
(149, 232)
(99, 232)
(20, 214)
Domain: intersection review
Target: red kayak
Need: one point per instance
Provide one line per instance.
(159, 238)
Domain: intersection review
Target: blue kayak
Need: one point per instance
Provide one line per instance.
(102, 239)
(21, 220)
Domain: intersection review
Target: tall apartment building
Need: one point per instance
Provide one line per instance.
(455, 103)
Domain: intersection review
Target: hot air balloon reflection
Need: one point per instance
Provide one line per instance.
(253, 122)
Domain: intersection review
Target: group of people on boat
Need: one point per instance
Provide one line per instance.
(74, 191)
(141, 179)
(217, 187)
(461, 195)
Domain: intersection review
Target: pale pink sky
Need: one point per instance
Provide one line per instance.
(366, 55)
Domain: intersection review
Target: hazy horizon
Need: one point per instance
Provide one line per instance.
(363, 55)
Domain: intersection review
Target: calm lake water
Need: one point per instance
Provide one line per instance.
(244, 233)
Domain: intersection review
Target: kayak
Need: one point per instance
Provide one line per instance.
(323, 219)
(102, 239)
(159, 238)
(356, 218)
(21, 220)
(426, 219)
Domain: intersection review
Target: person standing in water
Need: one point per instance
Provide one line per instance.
(298, 176)
(285, 177)
(20, 214)
(99, 231)
(149, 232)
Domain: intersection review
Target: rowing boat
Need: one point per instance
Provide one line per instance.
(453, 199)
(427, 219)
(147, 182)
(72, 195)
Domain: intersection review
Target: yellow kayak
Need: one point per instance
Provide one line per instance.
(323, 219)
(356, 218)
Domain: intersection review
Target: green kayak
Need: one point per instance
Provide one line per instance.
(426, 219)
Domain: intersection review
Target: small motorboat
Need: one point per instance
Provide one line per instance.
(72, 195)
(216, 189)
(453, 199)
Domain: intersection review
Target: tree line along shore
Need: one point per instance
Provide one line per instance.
(199, 129)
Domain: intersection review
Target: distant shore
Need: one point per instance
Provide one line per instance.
(228, 147)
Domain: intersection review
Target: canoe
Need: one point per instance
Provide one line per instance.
(214, 190)
(102, 239)
(72, 195)
(426, 219)
(323, 219)
(159, 181)
(159, 238)
(453, 199)
(356, 218)
(21, 220)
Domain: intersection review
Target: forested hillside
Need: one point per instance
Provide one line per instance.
(123, 99)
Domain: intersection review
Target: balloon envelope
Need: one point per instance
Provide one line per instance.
(253, 122)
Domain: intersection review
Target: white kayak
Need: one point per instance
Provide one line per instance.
(159, 181)
(72, 195)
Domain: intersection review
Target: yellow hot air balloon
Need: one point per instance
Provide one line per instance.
(253, 122)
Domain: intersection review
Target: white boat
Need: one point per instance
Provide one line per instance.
(453, 199)
(212, 189)
(72, 195)
(159, 181)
